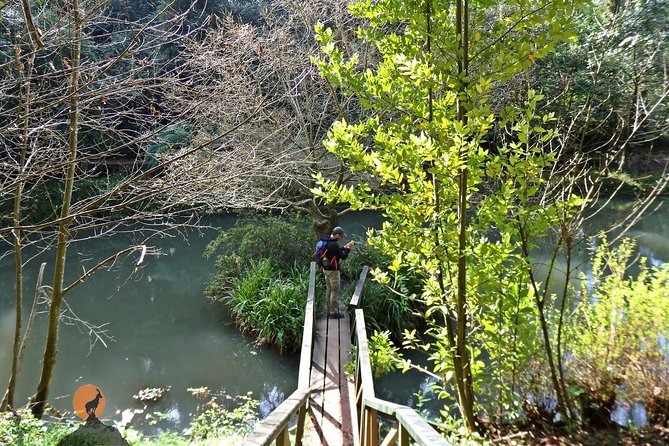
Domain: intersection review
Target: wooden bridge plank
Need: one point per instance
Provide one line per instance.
(314, 436)
(331, 396)
(330, 404)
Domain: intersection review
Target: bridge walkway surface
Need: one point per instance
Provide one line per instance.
(331, 405)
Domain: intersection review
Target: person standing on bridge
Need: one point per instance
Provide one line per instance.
(328, 256)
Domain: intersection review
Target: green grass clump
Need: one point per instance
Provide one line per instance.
(385, 310)
(270, 304)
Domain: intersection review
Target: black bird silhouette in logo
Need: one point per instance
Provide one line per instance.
(92, 405)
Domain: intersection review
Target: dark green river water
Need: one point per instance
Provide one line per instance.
(165, 333)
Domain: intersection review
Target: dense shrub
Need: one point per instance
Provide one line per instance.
(22, 428)
(361, 255)
(385, 309)
(286, 242)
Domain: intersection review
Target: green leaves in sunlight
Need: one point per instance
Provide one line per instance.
(430, 120)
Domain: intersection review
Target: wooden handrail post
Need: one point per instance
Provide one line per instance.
(372, 427)
(363, 355)
(307, 332)
(284, 438)
(403, 435)
(357, 294)
(299, 432)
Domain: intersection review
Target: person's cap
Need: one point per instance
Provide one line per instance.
(338, 230)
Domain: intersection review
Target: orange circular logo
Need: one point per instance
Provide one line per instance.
(88, 402)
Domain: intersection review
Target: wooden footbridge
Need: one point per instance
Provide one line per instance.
(342, 411)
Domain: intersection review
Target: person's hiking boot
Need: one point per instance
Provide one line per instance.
(336, 315)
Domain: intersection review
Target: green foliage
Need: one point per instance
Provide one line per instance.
(263, 278)
(22, 429)
(217, 420)
(616, 64)
(269, 304)
(383, 354)
(426, 129)
(168, 141)
(285, 242)
(617, 336)
(135, 438)
(385, 310)
(364, 254)
(456, 433)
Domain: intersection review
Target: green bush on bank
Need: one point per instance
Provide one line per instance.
(284, 241)
(385, 309)
(262, 278)
(617, 336)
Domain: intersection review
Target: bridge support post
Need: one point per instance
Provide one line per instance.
(372, 428)
(404, 436)
(299, 432)
(284, 438)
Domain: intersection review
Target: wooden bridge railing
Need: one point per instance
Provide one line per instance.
(276, 426)
(409, 427)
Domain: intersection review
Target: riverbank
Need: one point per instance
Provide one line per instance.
(548, 435)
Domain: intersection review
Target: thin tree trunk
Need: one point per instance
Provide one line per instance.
(563, 305)
(462, 29)
(540, 303)
(449, 321)
(8, 399)
(38, 400)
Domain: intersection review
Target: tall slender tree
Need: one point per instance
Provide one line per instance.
(455, 196)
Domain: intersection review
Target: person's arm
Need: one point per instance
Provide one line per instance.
(344, 251)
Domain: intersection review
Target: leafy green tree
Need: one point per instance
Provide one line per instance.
(457, 204)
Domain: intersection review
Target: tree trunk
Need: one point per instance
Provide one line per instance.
(467, 397)
(323, 224)
(449, 321)
(8, 399)
(563, 306)
(540, 301)
(38, 400)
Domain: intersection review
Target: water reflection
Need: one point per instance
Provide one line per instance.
(164, 333)
(626, 416)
